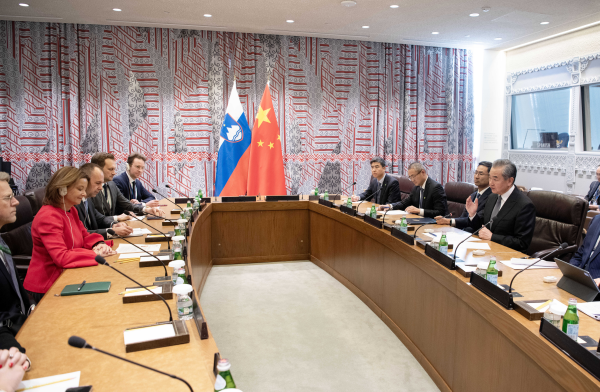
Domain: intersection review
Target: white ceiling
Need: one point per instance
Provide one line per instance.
(515, 21)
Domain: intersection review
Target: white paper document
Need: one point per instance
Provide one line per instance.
(555, 306)
(132, 255)
(141, 217)
(148, 258)
(58, 383)
(391, 213)
(476, 245)
(149, 333)
(139, 291)
(128, 248)
(138, 232)
(519, 264)
(592, 309)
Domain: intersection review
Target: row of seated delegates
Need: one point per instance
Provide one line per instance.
(92, 219)
(427, 199)
(60, 240)
(15, 305)
(481, 179)
(110, 201)
(509, 215)
(129, 184)
(594, 192)
(387, 186)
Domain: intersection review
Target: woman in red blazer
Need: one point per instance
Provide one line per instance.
(59, 238)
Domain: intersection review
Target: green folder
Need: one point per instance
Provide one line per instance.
(88, 288)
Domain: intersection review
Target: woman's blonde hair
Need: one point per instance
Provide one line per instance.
(63, 177)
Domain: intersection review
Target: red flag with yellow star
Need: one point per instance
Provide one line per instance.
(266, 175)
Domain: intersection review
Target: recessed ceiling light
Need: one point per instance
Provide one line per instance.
(365, 27)
(117, 9)
(207, 15)
(394, 6)
(435, 32)
(290, 21)
(497, 39)
(474, 14)
(24, 5)
(348, 3)
(467, 36)
(545, 23)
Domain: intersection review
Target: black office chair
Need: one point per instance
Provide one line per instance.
(17, 236)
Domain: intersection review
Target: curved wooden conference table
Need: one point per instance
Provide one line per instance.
(463, 339)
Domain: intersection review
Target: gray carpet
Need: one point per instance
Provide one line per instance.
(290, 326)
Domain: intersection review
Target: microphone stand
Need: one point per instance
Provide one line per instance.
(368, 197)
(561, 247)
(86, 345)
(170, 187)
(142, 249)
(475, 232)
(101, 260)
(166, 236)
(167, 199)
(351, 185)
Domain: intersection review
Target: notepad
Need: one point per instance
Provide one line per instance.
(128, 248)
(145, 334)
(58, 383)
(130, 255)
(88, 288)
(140, 291)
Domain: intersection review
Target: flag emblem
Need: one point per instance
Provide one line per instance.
(232, 131)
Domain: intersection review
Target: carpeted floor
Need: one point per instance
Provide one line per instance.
(290, 326)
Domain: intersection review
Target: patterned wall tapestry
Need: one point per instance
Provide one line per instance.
(68, 91)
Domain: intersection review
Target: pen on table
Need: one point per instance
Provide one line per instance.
(80, 287)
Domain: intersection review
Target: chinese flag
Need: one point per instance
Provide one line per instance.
(266, 175)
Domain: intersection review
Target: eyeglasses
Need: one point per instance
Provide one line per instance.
(8, 198)
(413, 177)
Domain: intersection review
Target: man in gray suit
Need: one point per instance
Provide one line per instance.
(110, 201)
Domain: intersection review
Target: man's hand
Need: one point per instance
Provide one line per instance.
(155, 211)
(13, 368)
(412, 210)
(485, 234)
(123, 217)
(153, 203)
(440, 220)
(134, 201)
(355, 198)
(103, 250)
(597, 280)
(472, 206)
(383, 207)
(122, 231)
(594, 207)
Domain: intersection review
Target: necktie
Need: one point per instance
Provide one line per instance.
(477, 195)
(421, 198)
(379, 194)
(105, 191)
(133, 190)
(496, 207)
(595, 197)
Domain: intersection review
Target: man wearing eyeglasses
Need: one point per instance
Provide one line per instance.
(427, 199)
(594, 192)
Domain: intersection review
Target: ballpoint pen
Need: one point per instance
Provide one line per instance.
(81, 286)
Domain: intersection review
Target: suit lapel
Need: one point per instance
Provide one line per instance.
(594, 236)
(113, 196)
(508, 205)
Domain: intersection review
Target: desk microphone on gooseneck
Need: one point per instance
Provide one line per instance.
(152, 227)
(561, 247)
(112, 232)
(475, 232)
(101, 260)
(167, 199)
(77, 342)
(170, 187)
(368, 197)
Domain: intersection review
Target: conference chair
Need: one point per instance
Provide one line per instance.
(17, 236)
(559, 218)
(406, 185)
(591, 214)
(457, 194)
(36, 198)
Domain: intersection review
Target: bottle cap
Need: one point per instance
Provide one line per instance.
(182, 289)
(223, 365)
(176, 263)
(181, 220)
(178, 238)
(398, 221)
(482, 265)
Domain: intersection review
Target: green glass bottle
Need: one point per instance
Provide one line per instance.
(373, 213)
(444, 243)
(349, 202)
(404, 225)
(200, 194)
(570, 324)
(224, 379)
(491, 273)
(326, 195)
(316, 191)
(177, 247)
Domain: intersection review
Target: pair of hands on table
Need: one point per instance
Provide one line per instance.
(13, 365)
(122, 229)
(151, 203)
(103, 250)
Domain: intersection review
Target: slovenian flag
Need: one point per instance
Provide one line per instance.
(232, 161)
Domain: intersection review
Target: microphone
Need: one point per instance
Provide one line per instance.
(112, 232)
(152, 227)
(561, 247)
(170, 187)
(472, 234)
(368, 197)
(167, 199)
(351, 185)
(77, 342)
(100, 260)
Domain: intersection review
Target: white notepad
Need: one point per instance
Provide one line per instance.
(157, 290)
(145, 334)
(58, 383)
(128, 248)
(149, 258)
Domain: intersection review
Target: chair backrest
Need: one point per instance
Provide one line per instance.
(559, 218)
(24, 215)
(406, 185)
(591, 214)
(36, 198)
(19, 241)
(457, 194)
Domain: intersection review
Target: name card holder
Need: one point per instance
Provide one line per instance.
(313, 198)
(373, 221)
(169, 223)
(182, 336)
(167, 293)
(236, 199)
(184, 200)
(348, 210)
(206, 200)
(283, 198)
(441, 258)
(493, 291)
(467, 274)
(157, 237)
(199, 319)
(155, 263)
(528, 311)
(404, 237)
(326, 203)
(175, 211)
(335, 197)
(584, 357)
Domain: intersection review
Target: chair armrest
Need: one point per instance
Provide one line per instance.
(542, 254)
(21, 260)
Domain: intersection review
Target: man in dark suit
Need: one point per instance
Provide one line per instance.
(481, 179)
(93, 220)
(427, 198)
(129, 184)
(386, 185)
(586, 256)
(594, 192)
(511, 213)
(110, 201)
(14, 301)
